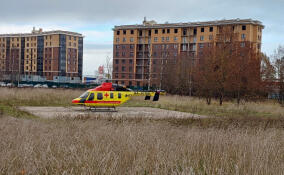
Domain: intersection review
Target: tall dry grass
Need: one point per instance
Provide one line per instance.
(228, 109)
(108, 147)
(63, 97)
(38, 96)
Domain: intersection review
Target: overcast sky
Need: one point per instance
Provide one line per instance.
(96, 18)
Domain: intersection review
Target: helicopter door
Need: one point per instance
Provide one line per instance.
(111, 95)
(100, 96)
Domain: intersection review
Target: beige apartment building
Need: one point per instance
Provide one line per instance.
(139, 50)
(42, 56)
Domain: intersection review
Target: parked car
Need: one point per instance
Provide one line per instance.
(2, 84)
(45, 86)
(10, 85)
(37, 86)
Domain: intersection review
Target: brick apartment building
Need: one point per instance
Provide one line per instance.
(55, 56)
(139, 50)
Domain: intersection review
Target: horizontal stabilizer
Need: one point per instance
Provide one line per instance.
(147, 97)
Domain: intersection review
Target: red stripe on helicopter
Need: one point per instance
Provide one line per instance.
(114, 102)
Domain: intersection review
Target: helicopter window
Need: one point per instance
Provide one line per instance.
(119, 95)
(99, 96)
(91, 97)
(84, 95)
(111, 95)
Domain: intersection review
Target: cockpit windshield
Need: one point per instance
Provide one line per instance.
(84, 95)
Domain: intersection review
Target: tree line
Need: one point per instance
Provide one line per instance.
(226, 69)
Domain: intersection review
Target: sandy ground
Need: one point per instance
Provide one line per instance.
(145, 112)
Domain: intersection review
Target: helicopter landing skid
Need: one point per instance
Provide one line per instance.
(103, 109)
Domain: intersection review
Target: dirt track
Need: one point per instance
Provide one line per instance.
(53, 112)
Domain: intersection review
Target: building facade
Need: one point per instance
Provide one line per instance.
(42, 56)
(139, 50)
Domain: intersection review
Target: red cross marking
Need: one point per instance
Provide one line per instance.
(106, 95)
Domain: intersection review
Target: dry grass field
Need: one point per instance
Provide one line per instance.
(244, 139)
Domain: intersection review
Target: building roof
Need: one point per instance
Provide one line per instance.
(41, 33)
(153, 24)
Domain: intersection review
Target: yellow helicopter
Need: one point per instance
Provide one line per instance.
(110, 95)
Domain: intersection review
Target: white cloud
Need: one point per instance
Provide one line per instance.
(98, 37)
(93, 58)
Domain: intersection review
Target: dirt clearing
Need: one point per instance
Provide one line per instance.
(147, 112)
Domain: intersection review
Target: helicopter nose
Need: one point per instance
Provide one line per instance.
(75, 101)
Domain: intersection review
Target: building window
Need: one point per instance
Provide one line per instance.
(123, 61)
(131, 39)
(201, 45)
(202, 29)
(123, 54)
(175, 38)
(211, 29)
(243, 44)
(164, 31)
(130, 69)
(155, 39)
(131, 32)
(168, 30)
(131, 54)
(117, 40)
(163, 39)
(176, 30)
(117, 32)
(116, 61)
(194, 31)
(244, 27)
(201, 38)
(117, 54)
(155, 54)
(210, 37)
(243, 36)
(122, 68)
(123, 46)
(124, 40)
(124, 32)
(131, 46)
(156, 31)
(140, 33)
(184, 31)
(168, 38)
(117, 46)
(130, 61)
(175, 46)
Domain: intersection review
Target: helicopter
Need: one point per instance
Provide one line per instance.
(109, 95)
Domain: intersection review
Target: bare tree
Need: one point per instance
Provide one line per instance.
(109, 67)
(279, 68)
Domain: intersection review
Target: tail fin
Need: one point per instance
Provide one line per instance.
(156, 97)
